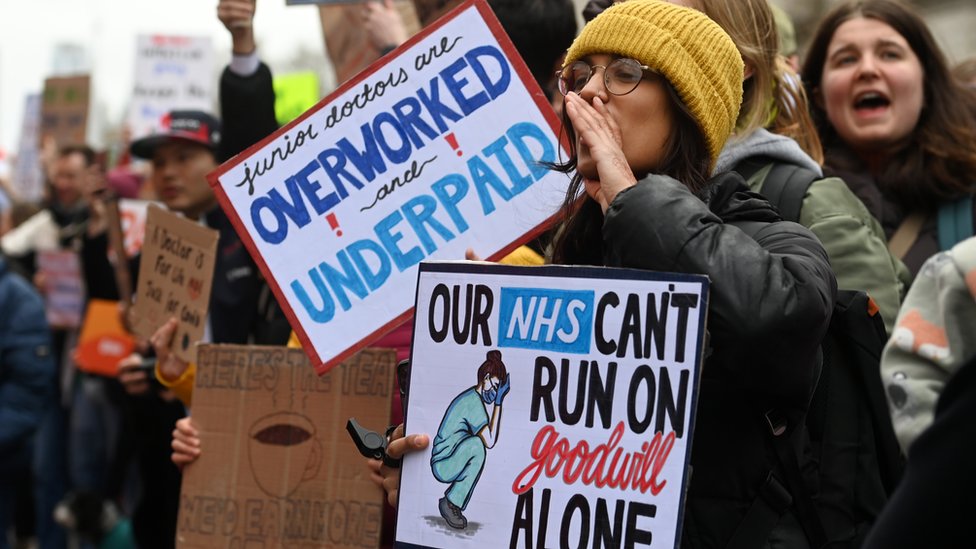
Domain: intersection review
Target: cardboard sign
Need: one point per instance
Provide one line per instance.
(171, 72)
(560, 405)
(278, 468)
(64, 109)
(64, 290)
(103, 341)
(175, 278)
(437, 148)
(27, 177)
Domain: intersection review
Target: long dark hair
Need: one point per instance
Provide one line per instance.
(579, 236)
(939, 159)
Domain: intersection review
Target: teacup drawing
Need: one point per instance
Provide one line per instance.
(283, 452)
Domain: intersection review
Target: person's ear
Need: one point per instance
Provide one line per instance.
(748, 70)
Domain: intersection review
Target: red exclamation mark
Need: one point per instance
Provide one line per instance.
(452, 141)
(334, 224)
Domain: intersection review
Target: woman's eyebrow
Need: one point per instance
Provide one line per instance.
(849, 47)
(888, 42)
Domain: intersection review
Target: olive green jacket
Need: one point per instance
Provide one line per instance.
(854, 240)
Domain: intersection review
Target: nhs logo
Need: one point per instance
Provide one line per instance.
(546, 319)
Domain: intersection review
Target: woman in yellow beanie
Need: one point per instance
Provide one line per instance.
(652, 94)
(775, 140)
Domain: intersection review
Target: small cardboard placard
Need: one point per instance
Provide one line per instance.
(64, 109)
(175, 278)
(64, 290)
(103, 341)
(277, 467)
(438, 147)
(560, 405)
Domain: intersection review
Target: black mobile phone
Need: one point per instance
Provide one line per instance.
(148, 365)
(370, 443)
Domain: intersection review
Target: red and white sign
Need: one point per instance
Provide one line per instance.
(435, 148)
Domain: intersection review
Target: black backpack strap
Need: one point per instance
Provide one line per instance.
(867, 339)
(785, 184)
(771, 502)
(774, 498)
(955, 222)
(804, 505)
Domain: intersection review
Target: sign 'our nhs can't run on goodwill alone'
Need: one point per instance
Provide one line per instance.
(438, 147)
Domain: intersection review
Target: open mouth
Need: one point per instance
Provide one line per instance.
(870, 101)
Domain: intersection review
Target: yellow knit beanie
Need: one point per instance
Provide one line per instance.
(684, 45)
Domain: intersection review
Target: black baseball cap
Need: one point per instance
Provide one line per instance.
(193, 126)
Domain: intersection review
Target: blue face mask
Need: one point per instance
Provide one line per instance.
(488, 395)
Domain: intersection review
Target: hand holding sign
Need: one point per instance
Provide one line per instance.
(186, 443)
(171, 367)
(389, 477)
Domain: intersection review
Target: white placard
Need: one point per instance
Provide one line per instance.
(171, 72)
(434, 149)
(559, 402)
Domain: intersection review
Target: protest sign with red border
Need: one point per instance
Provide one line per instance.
(438, 147)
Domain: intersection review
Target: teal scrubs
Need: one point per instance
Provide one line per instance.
(459, 453)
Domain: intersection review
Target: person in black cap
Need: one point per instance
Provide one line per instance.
(183, 151)
(185, 147)
(242, 308)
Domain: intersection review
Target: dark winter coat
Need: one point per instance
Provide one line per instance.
(27, 367)
(770, 302)
(886, 208)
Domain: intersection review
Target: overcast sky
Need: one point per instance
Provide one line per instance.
(30, 30)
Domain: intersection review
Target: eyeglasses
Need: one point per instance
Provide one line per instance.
(620, 76)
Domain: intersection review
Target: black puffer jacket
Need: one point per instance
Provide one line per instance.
(770, 302)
